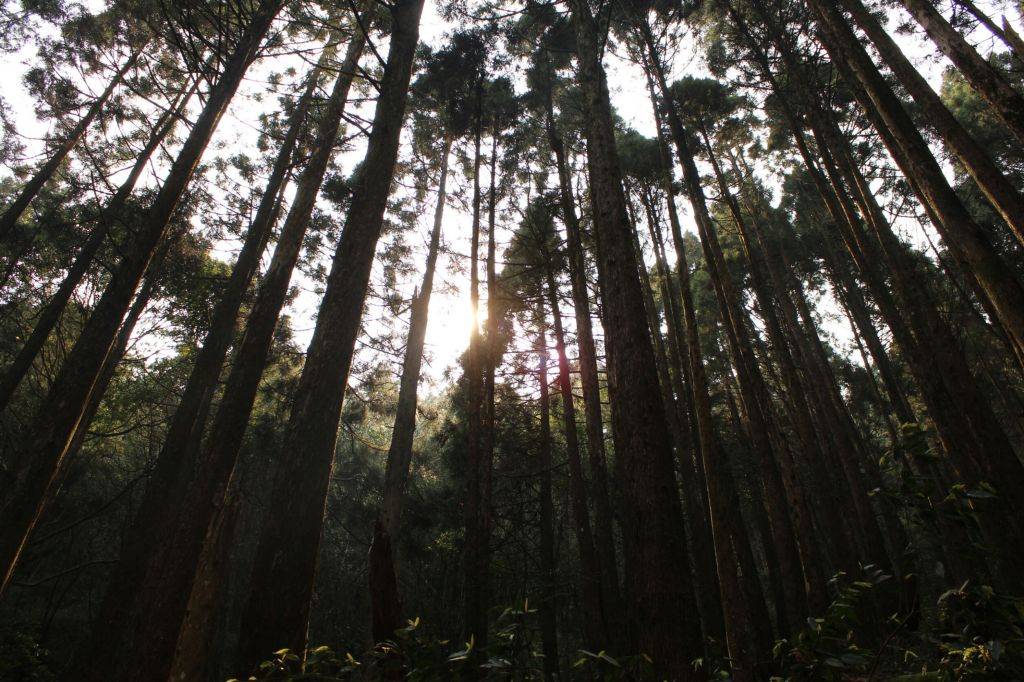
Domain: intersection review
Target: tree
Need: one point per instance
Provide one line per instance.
(278, 608)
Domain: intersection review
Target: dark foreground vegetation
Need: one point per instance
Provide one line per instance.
(746, 397)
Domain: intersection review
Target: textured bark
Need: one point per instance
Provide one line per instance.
(110, 214)
(590, 575)
(137, 613)
(999, 190)
(384, 600)
(611, 598)
(202, 533)
(277, 612)
(962, 235)
(660, 596)
(9, 218)
(1006, 102)
(62, 409)
(670, 367)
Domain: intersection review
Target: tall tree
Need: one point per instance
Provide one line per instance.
(277, 612)
(383, 565)
(62, 409)
(652, 516)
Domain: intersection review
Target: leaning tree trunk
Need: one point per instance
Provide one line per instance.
(277, 612)
(109, 215)
(995, 185)
(661, 598)
(60, 412)
(1006, 102)
(130, 606)
(797, 551)
(964, 237)
(174, 554)
(385, 605)
(13, 212)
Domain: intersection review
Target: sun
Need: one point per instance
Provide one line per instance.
(448, 328)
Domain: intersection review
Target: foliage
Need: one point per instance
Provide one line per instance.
(22, 659)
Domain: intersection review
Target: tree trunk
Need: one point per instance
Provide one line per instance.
(965, 239)
(698, 527)
(475, 555)
(142, 609)
(111, 214)
(589, 562)
(62, 409)
(1006, 102)
(385, 605)
(13, 212)
(277, 613)
(1006, 198)
(661, 598)
(790, 523)
(611, 599)
(548, 562)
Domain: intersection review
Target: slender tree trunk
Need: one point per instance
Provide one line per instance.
(744, 617)
(590, 575)
(999, 190)
(962, 234)
(385, 605)
(660, 597)
(488, 359)
(210, 509)
(789, 356)
(277, 613)
(790, 521)
(9, 218)
(670, 367)
(64, 405)
(1006, 102)
(930, 344)
(110, 214)
(548, 622)
(604, 536)
(134, 615)
(747, 625)
(475, 554)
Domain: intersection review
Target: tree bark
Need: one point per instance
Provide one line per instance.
(1006, 102)
(548, 620)
(611, 599)
(141, 610)
(277, 613)
(1005, 197)
(961, 233)
(53, 426)
(384, 599)
(590, 579)
(474, 554)
(661, 598)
